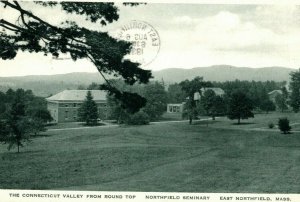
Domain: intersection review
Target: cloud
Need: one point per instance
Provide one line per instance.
(279, 18)
(226, 31)
(195, 35)
(229, 38)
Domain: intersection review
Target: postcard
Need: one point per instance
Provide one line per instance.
(149, 101)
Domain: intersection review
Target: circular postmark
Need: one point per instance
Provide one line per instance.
(145, 41)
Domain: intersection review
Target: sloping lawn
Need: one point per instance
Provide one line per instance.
(169, 157)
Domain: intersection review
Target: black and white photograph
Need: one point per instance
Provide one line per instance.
(150, 97)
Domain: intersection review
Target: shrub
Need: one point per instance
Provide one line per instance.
(284, 125)
(271, 125)
(139, 118)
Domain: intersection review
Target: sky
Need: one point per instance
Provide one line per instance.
(191, 35)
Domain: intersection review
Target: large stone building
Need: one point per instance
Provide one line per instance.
(64, 105)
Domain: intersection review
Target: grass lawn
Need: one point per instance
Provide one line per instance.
(168, 157)
(261, 122)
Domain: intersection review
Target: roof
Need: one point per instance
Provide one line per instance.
(77, 95)
(275, 91)
(218, 91)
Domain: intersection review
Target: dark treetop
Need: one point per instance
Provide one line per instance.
(33, 34)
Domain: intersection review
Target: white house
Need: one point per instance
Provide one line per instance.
(175, 108)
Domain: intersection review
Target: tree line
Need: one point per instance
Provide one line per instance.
(156, 102)
(241, 98)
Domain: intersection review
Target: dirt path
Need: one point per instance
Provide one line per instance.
(108, 125)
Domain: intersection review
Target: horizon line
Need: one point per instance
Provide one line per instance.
(181, 68)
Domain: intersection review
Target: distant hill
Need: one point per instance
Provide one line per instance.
(47, 85)
(224, 73)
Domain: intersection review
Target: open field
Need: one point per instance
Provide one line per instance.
(260, 121)
(173, 157)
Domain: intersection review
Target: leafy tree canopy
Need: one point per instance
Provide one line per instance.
(284, 125)
(15, 125)
(175, 94)
(240, 106)
(267, 105)
(212, 103)
(34, 34)
(24, 114)
(295, 87)
(156, 100)
(281, 102)
(88, 111)
(190, 88)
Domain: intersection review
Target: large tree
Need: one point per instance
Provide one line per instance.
(23, 115)
(190, 88)
(156, 100)
(212, 103)
(240, 106)
(34, 34)
(175, 94)
(267, 106)
(155, 94)
(16, 125)
(88, 111)
(281, 102)
(295, 88)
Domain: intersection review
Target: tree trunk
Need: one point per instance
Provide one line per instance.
(239, 120)
(18, 147)
(120, 117)
(191, 119)
(213, 118)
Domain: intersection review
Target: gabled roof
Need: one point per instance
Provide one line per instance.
(275, 91)
(77, 95)
(218, 91)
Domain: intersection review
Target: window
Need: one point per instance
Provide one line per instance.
(74, 105)
(66, 114)
(174, 109)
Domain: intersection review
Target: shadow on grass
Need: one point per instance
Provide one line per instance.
(210, 122)
(91, 125)
(13, 153)
(243, 123)
(39, 135)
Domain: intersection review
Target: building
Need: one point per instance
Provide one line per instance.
(178, 108)
(175, 108)
(218, 92)
(273, 94)
(64, 106)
